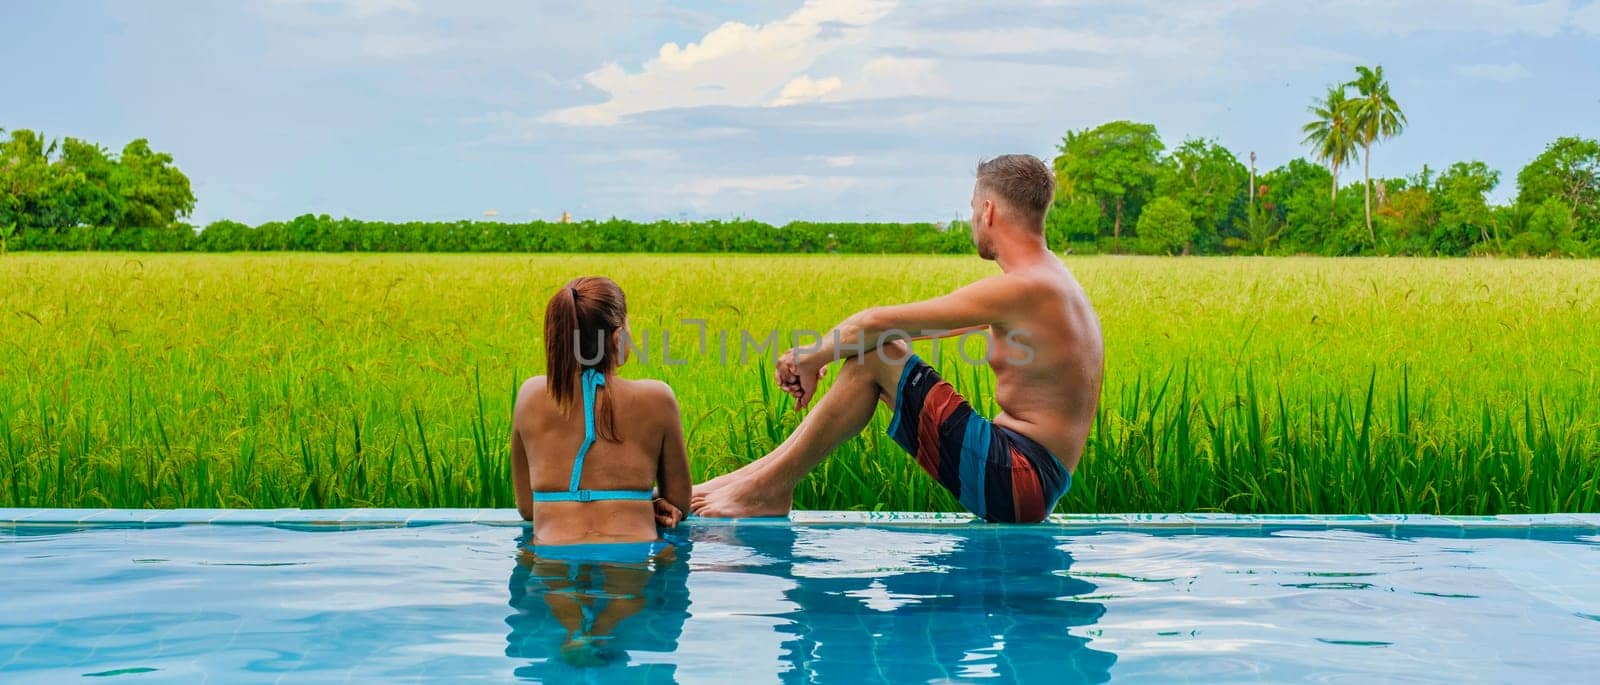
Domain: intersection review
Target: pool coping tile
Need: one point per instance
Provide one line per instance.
(17, 514)
(1591, 520)
(1095, 521)
(454, 515)
(249, 516)
(1560, 521)
(328, 519)
(60, 515)
(186, 516)
(822, 517)
(1159, 520)
(118, 517)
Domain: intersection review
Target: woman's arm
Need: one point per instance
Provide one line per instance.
(521, 477)
(672, 470)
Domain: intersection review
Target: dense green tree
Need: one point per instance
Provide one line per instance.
(1257, 231)
(1464, 216)
(1375, 115)
(1406, 221)
(98, 184)
(226, 236)
(1071, 220)
(1209, 181)
(1115, 164)
(26, 179)
(1294, 202)
(157, 193)
(1547, 232)
(1165, 227)
(1569, 170)
(1331, 133)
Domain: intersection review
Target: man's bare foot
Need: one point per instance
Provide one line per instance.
(731, 477)
(743, 498)
(717, 483)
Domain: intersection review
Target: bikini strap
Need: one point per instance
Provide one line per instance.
(592, 380)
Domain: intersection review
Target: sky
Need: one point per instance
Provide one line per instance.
(829, 110)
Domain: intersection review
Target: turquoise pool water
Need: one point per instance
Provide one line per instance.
(758, 602)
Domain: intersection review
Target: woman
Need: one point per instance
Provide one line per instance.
(588, 446)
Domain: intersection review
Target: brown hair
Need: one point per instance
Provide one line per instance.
(578, 324)
(1024, 182)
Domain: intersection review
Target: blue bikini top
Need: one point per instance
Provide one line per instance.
(592, 380)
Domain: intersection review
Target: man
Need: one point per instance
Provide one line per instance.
(1044, 346)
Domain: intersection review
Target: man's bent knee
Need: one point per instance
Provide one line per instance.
(892, 353)
(888, 358)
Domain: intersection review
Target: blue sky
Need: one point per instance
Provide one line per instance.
(819, 110)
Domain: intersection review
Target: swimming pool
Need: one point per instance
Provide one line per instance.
(359, 596)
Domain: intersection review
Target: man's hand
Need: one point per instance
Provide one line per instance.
(667, 516)
(788, 376)
(799, 383)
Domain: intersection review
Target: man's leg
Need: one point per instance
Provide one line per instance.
(747, 470)
(766, 487)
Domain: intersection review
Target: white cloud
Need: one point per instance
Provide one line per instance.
(804, 88)
(1504, 73)
(840, 161)
(735, 64)
(886, 77)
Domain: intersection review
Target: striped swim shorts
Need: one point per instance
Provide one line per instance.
(995, 472)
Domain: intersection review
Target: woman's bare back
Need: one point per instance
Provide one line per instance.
(648, 450)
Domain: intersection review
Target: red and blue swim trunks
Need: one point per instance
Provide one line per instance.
(995, 472)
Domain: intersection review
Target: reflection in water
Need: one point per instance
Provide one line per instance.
(814, 604)
(879, 605)
(577, 618)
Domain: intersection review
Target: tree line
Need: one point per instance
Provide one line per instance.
(322, 233)
(1120, 190)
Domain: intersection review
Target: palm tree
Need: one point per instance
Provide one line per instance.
(1330, 134)
(1374, 115)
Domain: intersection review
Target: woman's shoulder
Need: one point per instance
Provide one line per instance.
(532, 385)
(651, 391)
(531, 390)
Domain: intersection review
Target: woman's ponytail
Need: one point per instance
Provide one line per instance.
(561, 364)
(579, 323)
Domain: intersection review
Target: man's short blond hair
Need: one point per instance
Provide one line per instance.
(1023, 182)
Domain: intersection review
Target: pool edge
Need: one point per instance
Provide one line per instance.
(371, 518)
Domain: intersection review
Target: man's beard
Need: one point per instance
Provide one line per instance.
(985, 247)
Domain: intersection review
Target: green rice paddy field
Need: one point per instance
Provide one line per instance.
(1232, 384)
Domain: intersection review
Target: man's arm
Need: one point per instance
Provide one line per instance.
(988, 301)
(952, 333)
(985, 302)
